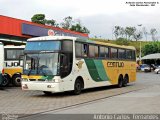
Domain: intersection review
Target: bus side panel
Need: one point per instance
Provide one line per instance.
(97, 73)
(96, 70)
(92, 72)
(12, 70)
(122, 67)
(1, 60)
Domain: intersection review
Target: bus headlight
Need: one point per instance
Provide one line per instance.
(53, 80)
(56, 80)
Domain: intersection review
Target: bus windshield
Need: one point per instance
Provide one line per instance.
(43, 46)
(41, 64)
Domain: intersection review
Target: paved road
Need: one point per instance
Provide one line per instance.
(100, 100)
(145, 100)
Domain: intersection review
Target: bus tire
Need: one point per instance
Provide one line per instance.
(125, 80)
(47, 93)
(17, 80)
(78, 87)
(6, 80)
(120, 81)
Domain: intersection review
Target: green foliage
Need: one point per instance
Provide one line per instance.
(117, 31)
(127, 33)
(122, 41)
(38, 18)
(67, 23)
(79, 28)
(138, 35)
(50, 22)
(70, 24)
(153, 47)
(153, 32)
(130, 31)
(76, 27)
(85, 30)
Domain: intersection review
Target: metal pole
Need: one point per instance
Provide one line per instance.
(140, 53)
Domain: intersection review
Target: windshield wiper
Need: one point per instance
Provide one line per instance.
(41, 69)
(43, 73)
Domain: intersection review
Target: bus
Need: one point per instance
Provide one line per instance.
(1, 62)
(63, 63)
(13, 64)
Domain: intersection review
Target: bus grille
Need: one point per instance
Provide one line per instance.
(32, 79)
(41, 79)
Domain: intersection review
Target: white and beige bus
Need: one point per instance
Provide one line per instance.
(62, 63)
(13, 64)
(1, 63)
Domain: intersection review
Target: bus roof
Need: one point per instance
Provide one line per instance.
(12, 46)
(110, 44)
(80, 40)
(52, 38)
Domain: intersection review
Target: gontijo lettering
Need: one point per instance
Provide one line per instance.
(115, 64)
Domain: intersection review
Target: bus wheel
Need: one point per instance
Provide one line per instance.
(16, 80)
(125, 81)
(6, 80)
(47, 93)
(77, 87)
(120, 81)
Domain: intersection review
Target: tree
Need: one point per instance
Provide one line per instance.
(79, 28)
(117, 31)
(38, 18)
(67, 23)
(122, 32)
(145, 32)
(74, 25)
(51, 23)
(138, 35)
(153, 32)
(85, 30)
(151, 48)
(129, 31)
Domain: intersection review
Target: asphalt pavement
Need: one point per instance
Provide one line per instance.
(143, 96)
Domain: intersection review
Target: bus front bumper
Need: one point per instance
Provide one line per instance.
(41, 86)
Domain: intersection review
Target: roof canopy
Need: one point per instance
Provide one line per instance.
(151, 56)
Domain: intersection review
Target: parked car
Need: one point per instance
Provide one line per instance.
(153, 66)
(157, 70)
(145, 68)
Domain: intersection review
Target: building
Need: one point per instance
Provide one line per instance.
(15, 31)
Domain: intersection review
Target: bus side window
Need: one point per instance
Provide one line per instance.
(133, 55)
(84, 50)
(128, 54)
(121, 54)
(102, 52)
(114, 53)
(78, 49)
(107, 52)
(91, 51)
(96, 51)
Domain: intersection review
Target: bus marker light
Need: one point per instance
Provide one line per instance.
(49, 86)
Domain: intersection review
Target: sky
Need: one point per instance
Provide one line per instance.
(99, 16)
